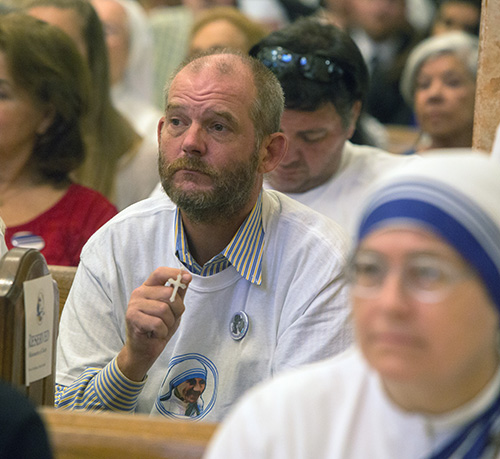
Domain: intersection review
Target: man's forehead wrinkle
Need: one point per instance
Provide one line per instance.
(219, 65)
(216, 87)
(211, 75)
(200, 91)
(219, 106)
(223, 63)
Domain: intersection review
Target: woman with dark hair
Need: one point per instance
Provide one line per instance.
(120, 163)
(44, 90)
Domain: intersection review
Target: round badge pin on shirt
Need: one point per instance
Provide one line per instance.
(238, 327)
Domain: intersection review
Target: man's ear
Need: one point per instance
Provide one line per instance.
(47, 120)
(272, 150)
(355, 112)
(161, 122)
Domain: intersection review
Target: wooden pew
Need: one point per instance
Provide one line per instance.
(16, 266)
(78, 434)
(63, 275)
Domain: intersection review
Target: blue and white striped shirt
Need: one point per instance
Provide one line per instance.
(244, 251)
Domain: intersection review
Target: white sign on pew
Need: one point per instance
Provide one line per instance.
(39, 316)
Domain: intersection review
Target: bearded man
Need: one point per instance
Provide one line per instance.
(256, 277)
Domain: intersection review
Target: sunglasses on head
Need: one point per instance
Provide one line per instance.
(281, 61)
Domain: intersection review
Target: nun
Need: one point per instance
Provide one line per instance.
(423, 379)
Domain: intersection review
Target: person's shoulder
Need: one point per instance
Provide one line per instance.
(151, 208)
(373, 158)
(22, 432)
(280, 205)
(139, 219)
(79, 191)
(346, 364)
(369, 152)
(15, 406)
(292, 414)
(81, 206)
(288, 216)
(82, 194)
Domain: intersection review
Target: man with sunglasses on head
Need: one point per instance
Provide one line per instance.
(325, 81)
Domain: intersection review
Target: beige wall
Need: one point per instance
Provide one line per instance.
(487, 111)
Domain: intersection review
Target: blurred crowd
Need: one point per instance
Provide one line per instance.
(107, 106)
(419, 83)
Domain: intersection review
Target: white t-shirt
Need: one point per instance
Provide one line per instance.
(336, 409)
(298, 314)
(340, 196)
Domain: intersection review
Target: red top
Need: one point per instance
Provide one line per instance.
(61, 232)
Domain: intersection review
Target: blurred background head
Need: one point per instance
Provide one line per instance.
(224, 26)
(45, 87)
(439, 81)
(129, 42)
(325, 81)
(464, 15)
(380, 19)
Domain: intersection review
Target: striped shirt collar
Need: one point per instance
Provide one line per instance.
(244, 251)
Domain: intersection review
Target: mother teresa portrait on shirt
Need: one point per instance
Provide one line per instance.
(182, 389)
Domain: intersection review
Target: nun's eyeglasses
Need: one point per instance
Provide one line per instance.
(310, 66)
(424, 278)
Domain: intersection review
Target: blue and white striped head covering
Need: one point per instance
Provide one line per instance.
(456, 196)
(181, 372)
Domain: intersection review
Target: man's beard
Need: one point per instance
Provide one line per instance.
(232, 188)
